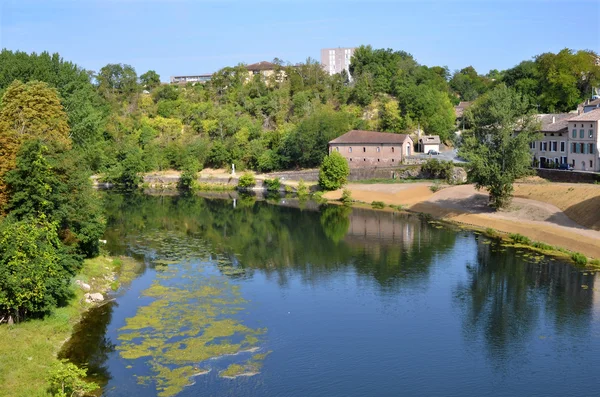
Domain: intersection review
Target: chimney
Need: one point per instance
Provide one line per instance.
(553, 119)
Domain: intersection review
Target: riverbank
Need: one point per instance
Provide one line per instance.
(30, 348)
(537, 220)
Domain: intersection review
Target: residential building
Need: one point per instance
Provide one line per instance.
(198, 78)
(334, 60)
(583, 141)
(371, 148)
(552, 149)
(429, 142)
(265, 69)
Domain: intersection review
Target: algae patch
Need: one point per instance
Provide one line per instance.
(190, 318)
(249, 368)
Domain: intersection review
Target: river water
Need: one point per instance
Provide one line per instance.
(251, 298)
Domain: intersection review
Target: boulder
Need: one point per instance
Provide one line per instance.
(83, 286)
(459, 176)
(93, 298)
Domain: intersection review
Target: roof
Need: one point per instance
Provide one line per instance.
(554, 122)
(595, 102)
(360, 136)
(594, 115)
(430, 139)
(263, 65)
(459, 109)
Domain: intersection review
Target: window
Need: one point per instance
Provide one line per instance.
(349, 150)
(544, 146)
(573, 148)
(364, 159)
(585, 148)
(378, 160)
(591, 164)
(337, 149)
(562, 146)
(591, 134)
(378, 149)
(392, 150)
(531, 145)
(581, 133)
(574, 133)
(553, 146)
(591, 149)
(392, 160)
(364, 149)
(581, 145)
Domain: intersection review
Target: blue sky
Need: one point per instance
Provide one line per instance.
(185, 37)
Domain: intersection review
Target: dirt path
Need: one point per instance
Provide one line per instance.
(538, 220)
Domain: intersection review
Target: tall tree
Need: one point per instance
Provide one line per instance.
(498, 145)
(29, 111)
(117, 80)
(150, 80)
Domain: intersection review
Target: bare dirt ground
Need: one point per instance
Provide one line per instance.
(537, 219)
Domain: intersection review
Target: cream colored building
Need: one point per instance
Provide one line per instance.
(266, 70)
(552, 149)
(584, 140)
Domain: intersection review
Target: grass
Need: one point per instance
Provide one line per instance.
(29, 349)
(579, 259)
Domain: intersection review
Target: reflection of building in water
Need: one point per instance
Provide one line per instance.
(383, 227)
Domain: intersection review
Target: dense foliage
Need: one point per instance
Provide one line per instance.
(496, 154)
(334, 172)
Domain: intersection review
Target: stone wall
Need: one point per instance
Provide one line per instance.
(568, 176)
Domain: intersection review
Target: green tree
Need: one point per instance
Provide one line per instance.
(68, 380)
(116, 80)
(33, 278)
(390, 119)
(150, 80)
(468, 84)
(498, 146)
(334, 171)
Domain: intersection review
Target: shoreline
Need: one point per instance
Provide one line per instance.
(32, 347)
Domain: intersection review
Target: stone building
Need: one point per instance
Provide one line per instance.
(551, 149)
(372, 149)
(584, 140)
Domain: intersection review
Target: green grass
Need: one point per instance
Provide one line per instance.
(29, 349)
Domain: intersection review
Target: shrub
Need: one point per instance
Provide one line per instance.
(302, 189)
(378, 204)
(519, 238)
(189, 178)
(435, 187)
(490, 232)
(438, 169)
(334, 172)
(288, 189)
(347, 197)
(579, 259)
(543, 246)
(246, 181)
(398, 207)
(66, 379)
(318, 197)
(273, 185)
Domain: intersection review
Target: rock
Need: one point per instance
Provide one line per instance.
(83, 286)
(459, 176)
(93, 298)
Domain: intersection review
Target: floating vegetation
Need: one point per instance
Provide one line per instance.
(190, 319)
(249, 368)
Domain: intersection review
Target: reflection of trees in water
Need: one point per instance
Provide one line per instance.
(507, 296)
(89, 346)
(276, 239)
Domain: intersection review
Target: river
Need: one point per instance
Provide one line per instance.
(254, 298)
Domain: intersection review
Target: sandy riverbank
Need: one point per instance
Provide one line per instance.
(563, 215)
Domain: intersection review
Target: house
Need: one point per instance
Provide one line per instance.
(583, 141)
(371, 148)
(265, 69)
(590, 105)
(429, 142)
(551, 149)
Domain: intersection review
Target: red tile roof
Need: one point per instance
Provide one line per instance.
(370, 137)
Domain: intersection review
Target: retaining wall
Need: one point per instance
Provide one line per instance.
(568, 176)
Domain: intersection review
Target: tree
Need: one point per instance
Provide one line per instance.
(33, 279)
(67, 380)
(498, 146)
(116, 80)
(468, 84)
(390, 119)
(334, 171)
(150, 80)
(29, 111)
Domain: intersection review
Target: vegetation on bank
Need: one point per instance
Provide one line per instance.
(28, 354)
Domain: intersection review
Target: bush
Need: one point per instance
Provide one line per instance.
(347, 197)
(438, 169)
(34, 275)
(579, 259)
(272, 185)
(543, 246)
(189, 178)
(334, 172)
(595, 263)
(246, 181)
(490, 232)
(318, 197)
(378, 204)
(66, 379)
(519, 239)
(398, 207)
(435, 187)
(302, 189)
